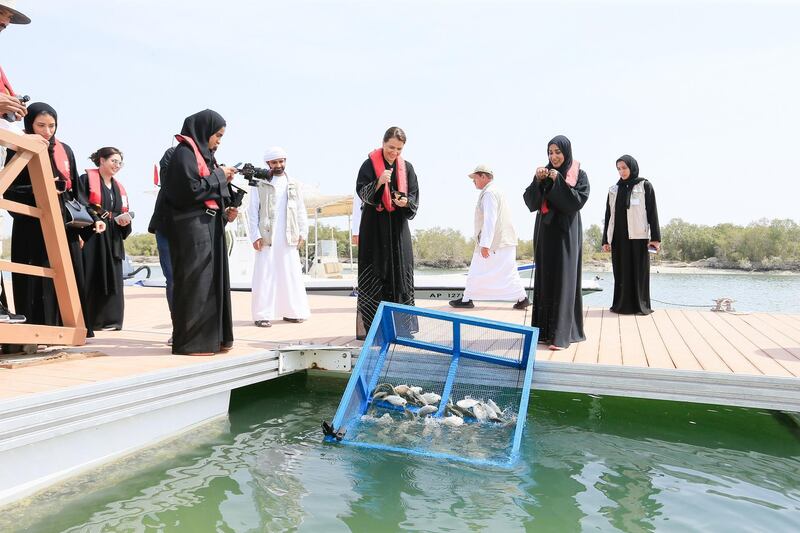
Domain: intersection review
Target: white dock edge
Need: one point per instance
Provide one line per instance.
(47, 437)
(696, 386)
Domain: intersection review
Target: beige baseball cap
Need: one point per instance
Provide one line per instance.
(481, 168)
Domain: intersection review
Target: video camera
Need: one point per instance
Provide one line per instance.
(237, 195)
(22, 100)
(253, 174)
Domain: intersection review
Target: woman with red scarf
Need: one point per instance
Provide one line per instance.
(103, 251)
(35, 296)
(387, 186)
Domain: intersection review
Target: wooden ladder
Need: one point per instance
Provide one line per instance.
(34, 155)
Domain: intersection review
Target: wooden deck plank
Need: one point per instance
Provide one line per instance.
(588, 350)
(765, 345)
(787, 328)
(610, 352)
(654, 349)
(702, 350)
(631, 342)
(765, 364)
(732, 357)
(770, 329)
(681, 355)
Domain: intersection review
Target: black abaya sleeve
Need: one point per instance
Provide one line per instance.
(366, 184)
(534, 195)
(652, 211)
(605, 224)
(568, 199)
(410, 210)
(185, 188)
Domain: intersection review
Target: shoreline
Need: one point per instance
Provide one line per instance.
(698, 267)
(661, 267)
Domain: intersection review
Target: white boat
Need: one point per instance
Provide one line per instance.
(332, 277)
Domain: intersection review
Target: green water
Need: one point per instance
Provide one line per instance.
(589, 464)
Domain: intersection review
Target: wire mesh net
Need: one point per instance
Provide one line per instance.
(439, 384)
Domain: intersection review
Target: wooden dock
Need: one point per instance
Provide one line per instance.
(124, 390)
(676, 345)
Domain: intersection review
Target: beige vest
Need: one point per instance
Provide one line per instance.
(638, 228)
(504, 234)
(267, 211)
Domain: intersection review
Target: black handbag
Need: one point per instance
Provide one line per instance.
(76, 215)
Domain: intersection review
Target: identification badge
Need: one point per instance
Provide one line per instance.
(635, 201)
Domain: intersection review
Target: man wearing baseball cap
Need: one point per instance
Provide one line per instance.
(11, 110)
(10, 106)
(493, 271)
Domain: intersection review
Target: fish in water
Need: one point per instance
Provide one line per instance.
(427, 410)
(493, 406)
(380, 395)
(467, 403)
(452, 420)
(383, 387)
(395, 400)
(479, 411)
(402, 390)
(418, 390)
(430, 398)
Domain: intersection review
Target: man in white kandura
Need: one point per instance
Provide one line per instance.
(278, 225)
(493, 271)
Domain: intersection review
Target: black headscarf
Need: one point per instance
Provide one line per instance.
(566, 148)
(34, 110)
(200, 127)
(625, 187)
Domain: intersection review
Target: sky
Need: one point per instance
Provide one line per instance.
(703, 94)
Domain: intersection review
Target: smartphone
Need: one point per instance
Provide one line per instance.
(652, 249)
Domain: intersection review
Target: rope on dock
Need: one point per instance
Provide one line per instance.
(679, 305)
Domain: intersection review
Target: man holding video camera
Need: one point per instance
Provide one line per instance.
(12, 109)
(277, 225)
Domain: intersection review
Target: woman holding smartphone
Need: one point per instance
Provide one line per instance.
(104, 250)
(34, 296)
(631, 234)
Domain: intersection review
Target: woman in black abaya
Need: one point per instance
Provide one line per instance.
(104, 251)
(197, 192)
(557, 194)
(387, 186)
(34, 296)
(631, 231)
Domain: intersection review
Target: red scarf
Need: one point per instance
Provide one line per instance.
(6, 84)
(96, 197)
(376, 156)
(202, 168)
(61, 162)
(571, 179)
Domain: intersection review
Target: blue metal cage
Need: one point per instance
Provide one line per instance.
(480, 370)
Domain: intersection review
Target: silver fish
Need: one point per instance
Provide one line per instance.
(454, 421)
(427, 410)
(396, 400)
(467, 403)
(430, 398)
(497, 410)
(479, 411)
(383, 387)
